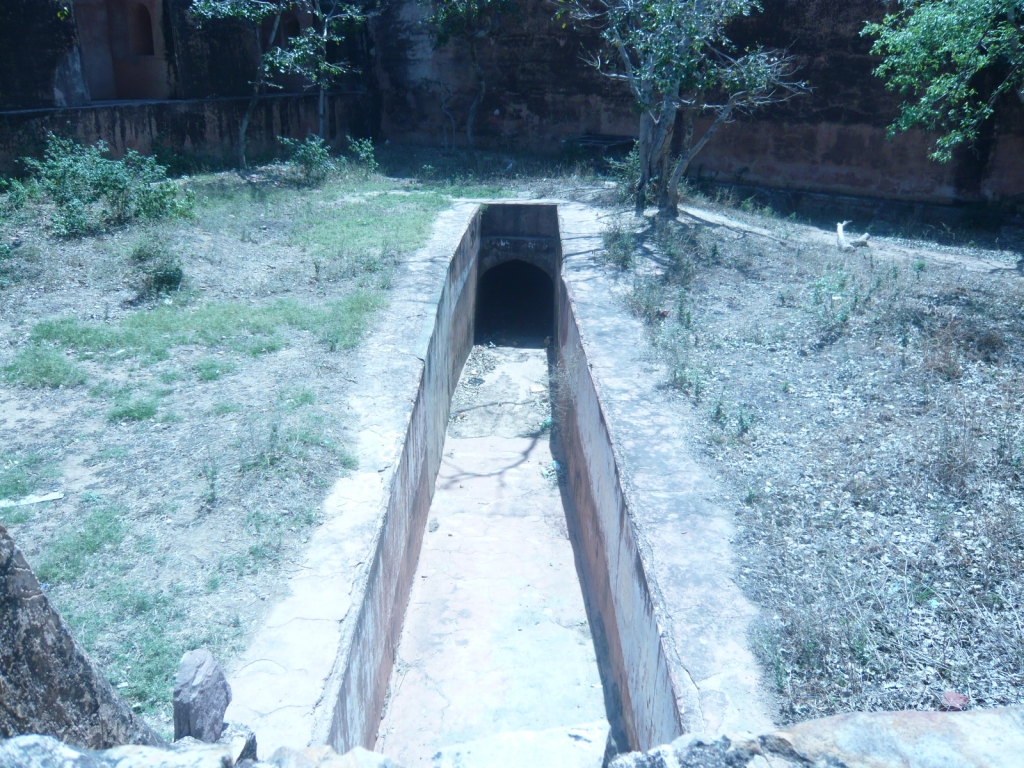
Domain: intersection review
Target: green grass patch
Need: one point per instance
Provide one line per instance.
(222, 409)
(136, 634)
(68, 556)
(297, 398)
(247, 328)
(39, 367)
(212, 368)
(137, 409)
(22, 474)
(14, 481)
(337, 228)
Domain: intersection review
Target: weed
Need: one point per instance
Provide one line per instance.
(298, 398)
(139, 409)
(164, 278)
(68, 556)
(620, 245)
(365, 157)
(212, 368)
(744, 421)
(213, 583)
(209, 471)
(311, 157)
(222, 409)
(646, 297)
(38, 367)
(626, 173)
(718, 412)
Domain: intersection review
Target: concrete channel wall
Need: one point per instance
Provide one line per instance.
(639, 694)
(371, 654)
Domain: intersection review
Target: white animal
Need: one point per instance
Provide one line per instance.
(849, 245)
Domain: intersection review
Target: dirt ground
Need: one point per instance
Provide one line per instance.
(863, 409)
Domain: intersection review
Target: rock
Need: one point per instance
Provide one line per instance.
(241, 739)
(981, 738)
(46, 752)
(48, 685)
(325, 757)
(201, 696)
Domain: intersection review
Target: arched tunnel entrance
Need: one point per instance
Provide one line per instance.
(515, 306)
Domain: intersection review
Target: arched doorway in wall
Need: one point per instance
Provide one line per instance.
(515, 305)
(140, 30)
(123, 49)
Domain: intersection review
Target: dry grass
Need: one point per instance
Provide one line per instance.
(184, 384)
(866, 412)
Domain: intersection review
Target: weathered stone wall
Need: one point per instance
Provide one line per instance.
(202, 127)
(47, 683)
(540, 91)
(37, 54)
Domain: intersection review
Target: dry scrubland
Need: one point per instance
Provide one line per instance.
(183, 383)
(863, 409)
(182, 380)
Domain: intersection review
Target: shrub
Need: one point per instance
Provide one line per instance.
(90, 192)
(311, 157)
(364, 155)
(620, 244)
(161, 269)
(17, 194)
(626, 173)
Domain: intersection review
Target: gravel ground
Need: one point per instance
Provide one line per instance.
(863, 410)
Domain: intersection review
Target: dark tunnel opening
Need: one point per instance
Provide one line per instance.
(515, 306)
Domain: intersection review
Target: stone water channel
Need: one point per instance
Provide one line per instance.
(495, 638)
(465, 605)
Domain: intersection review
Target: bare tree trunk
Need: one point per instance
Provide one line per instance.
(321, 111)
(655, 146)
(687, 155)
(647, 126)
(322, 100)
(257, 88)
(445, 95)
(471, 115)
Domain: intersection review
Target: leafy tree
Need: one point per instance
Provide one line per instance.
(308, 54)
(255, 12)
(470, 21)
(676, 57)
(951, 60)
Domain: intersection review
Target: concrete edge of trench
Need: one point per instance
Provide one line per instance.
(288, 682)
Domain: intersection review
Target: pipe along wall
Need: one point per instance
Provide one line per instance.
(474, 305)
